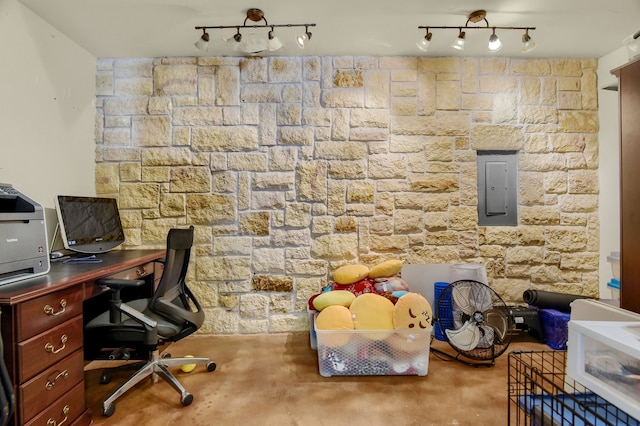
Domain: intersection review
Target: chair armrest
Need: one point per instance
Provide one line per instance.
(115, 285)
(137, 316)
(150, 325)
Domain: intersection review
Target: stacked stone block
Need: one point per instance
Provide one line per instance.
(290, 167)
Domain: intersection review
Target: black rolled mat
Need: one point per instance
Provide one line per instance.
(550, 300)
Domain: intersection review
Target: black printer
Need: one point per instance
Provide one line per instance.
(23, 237)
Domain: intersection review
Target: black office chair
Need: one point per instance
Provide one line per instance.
(143, 325)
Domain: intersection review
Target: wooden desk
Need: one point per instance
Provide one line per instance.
(42, 330)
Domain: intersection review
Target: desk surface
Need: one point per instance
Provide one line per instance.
(63, 275)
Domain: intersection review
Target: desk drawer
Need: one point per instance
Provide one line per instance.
(44, 389)
(135, 273)
(63, 411)
(39, 352)
(45, 312)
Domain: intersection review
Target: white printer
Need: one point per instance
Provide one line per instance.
(23, 237)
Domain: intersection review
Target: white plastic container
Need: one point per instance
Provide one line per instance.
(614, 286)
(468, 271)
(604, 356)
(373, 352)
(614, 259)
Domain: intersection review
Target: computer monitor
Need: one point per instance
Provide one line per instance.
(89, 224)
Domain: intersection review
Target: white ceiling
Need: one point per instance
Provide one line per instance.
(156, 28)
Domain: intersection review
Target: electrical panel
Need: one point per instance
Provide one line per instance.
(497, 188)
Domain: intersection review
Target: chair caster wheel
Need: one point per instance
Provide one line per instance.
(108, 410)
(211, 366)
(186, 399)
(105, 377)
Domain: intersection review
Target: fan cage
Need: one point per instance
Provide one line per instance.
(446, 319)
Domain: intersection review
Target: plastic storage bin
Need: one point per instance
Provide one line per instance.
(605, 357)
(614, 286)
(614, 259)
(373, 352)
(554, 325)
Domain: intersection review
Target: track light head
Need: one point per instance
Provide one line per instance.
(203, 42)
(274, 41)
(302, 39)
(237, 36)
(459, 42)
(423, 43)
(494, 42)
(527, 44)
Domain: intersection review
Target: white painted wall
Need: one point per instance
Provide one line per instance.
(47, 110)
(609, 171)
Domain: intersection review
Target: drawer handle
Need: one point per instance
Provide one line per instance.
(50, 311)
(49, 347)
(141, 271)
(51, 383)
(65, 412)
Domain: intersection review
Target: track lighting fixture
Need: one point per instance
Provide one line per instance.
(253, 43)
(495, 44)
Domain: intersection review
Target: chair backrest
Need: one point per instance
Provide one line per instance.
(172, 298)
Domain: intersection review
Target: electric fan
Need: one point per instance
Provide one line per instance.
(475, 321)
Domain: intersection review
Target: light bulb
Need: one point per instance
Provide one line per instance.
(494, 43)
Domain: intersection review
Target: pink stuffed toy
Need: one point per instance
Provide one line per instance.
(390, 284)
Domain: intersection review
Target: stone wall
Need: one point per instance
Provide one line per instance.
(291, 167)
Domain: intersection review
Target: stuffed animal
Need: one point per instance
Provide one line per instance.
(385, 269)
(337, 297)
(412, 316)
(390, 284)
(349, 274)
(371, 311)
(412, 311)
(335, 317)
(363, 286)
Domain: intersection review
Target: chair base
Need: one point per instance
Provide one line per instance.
(154, 368)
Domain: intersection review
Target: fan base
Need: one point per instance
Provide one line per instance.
(461, 358)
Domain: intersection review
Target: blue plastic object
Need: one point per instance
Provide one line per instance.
(443, 311)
